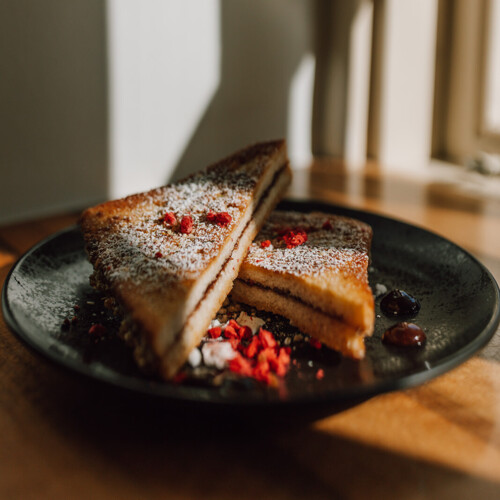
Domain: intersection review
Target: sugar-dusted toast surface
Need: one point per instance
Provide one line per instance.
(321, 283)
(159, 267)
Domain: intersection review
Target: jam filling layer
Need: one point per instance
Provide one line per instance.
(287, 295)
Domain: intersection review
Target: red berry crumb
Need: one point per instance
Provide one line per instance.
(241, 366)
(262, 372)
(220, 218)
(282, 362)
(237, 331)
(245, 332)
(158, 255)
(251, 350)
(98, 330)
(327, 225)
(295, 238)
(267, 338)
(230, 332)
(320, 374)
(215, 332)
(186, 224)
(169, 219)
(315, 343)
(265, 243)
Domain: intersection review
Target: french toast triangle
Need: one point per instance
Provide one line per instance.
(167, 258)
(313, 269)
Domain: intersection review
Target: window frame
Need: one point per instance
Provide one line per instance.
(459, 131)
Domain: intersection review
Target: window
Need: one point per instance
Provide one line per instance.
(430, 83)
(467, 93)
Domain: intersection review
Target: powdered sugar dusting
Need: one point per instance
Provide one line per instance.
(333, 242)
(217, 354)
(38, 280)
(135, 244)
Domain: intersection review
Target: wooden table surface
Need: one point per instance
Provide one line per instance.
(62, 437)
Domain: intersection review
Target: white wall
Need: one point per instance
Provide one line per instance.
(164, 66)
(53, 115)
(101, 99)
(403, 120)
(263, 45)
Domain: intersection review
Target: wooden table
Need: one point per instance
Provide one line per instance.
(61, 437)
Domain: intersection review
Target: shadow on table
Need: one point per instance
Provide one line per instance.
(223, 454)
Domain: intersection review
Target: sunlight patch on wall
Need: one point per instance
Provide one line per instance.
(300, 113)
(164, 68)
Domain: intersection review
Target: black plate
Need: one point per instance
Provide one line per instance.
(460, 313)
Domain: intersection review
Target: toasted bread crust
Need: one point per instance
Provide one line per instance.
(157, 273)
(329, 330)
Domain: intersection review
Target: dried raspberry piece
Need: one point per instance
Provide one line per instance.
(158, 255)
(266, 338)
(234, 324)
(265, 243)
(293, 239)
(241, 366)
(262, 372)
(242, 332)
(169, 219)
(215, 332)
(245, 332)
(98, 330)
(224, 219)
(186, 224)
(251, 350)
(66, 324)
(235, 343)
(320, 374)
(220, 218)
(315, 343)
(283, 362)
(230, 332)
(327, 225)
(268, 354)
(271, 355)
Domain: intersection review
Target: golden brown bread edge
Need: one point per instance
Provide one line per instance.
(164, 325)
(329, 330)
(333, 293)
